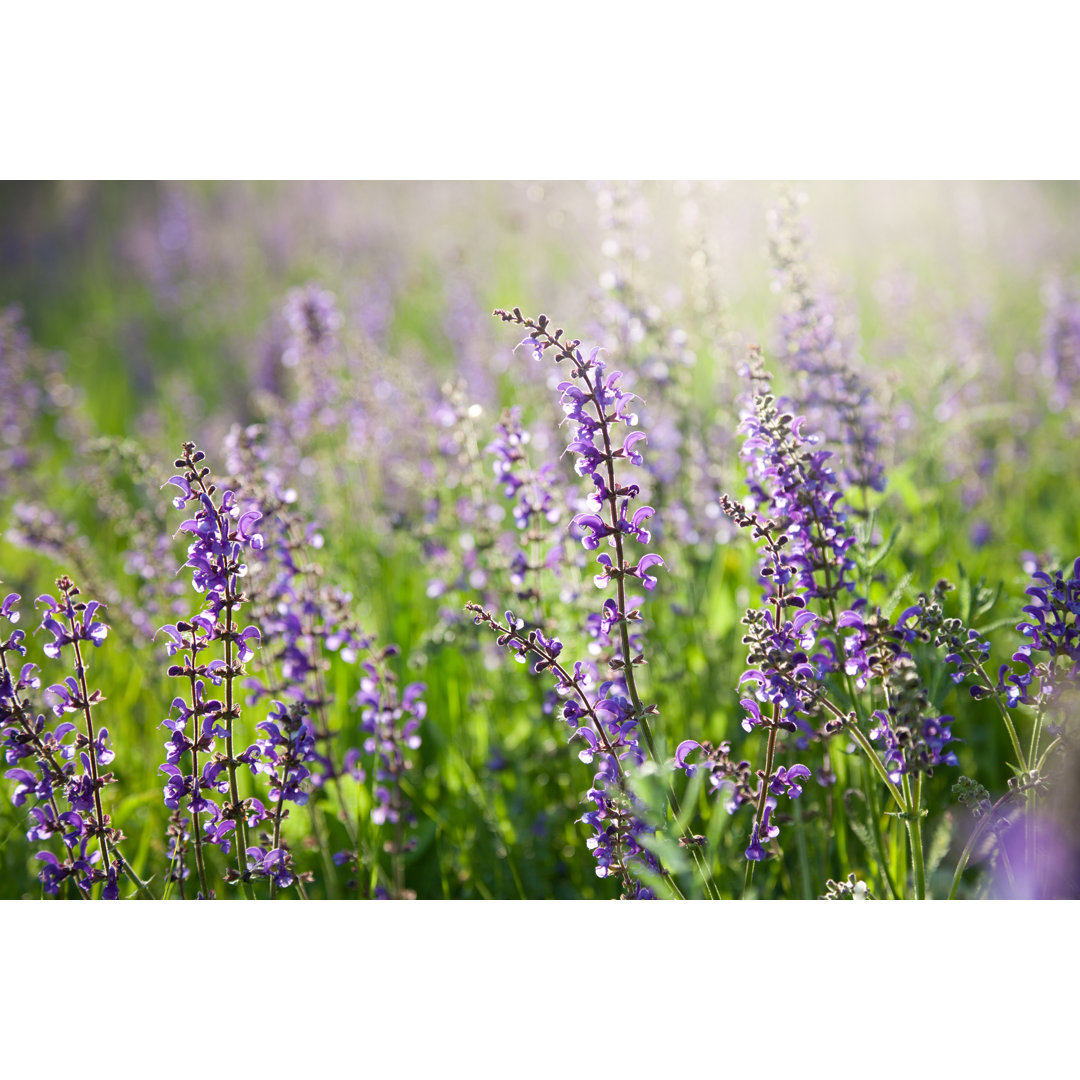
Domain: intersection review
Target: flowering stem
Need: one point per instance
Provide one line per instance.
(620, 584)
(80, 671)
(196, 826)
(282, 779)
(566, 352)
(770, 750)
(1046, 753)
(230, 712)
(322, 722)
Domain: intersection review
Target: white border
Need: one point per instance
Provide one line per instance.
(558, 90)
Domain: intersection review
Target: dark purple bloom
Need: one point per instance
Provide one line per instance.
(223, 534)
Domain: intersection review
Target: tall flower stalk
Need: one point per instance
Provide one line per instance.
(221, 535)
(390, 722)
(596, 404)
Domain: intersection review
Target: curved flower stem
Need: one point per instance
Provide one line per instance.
(278, 809)
(770, 751)
(868, 750)
(172, 873)
(1036, 735)
(969, 847)
(566, 350)
(1047, 752)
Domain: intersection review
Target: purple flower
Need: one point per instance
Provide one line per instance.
(391, 722)
(833, 390)
(595, 404)
(55, 775)
(314, 320)
(223, 534)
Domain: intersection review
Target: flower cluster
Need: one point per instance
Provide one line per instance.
(593, 400)
(1048, 665)
(460, 523)
(536, 501)
(314, 321)
(595, 404)
(832, 391)
(915, 738)
(390, 722)
(392, 726)
(732, 780)
(794, 483)
(284, 752)
(222, 535)
(79, 819)
(32, 385)
(966, 650)
(791, 480)
(687, 436)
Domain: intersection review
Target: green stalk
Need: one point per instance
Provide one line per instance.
(234, 791)
(804, 857)
(868, 749)
(879, 842)
(196, 826)
(913, 820)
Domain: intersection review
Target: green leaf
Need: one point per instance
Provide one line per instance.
(997, 624)
(939, 845)
(896, 595)
(884, 550)
(963, 593)
(858, 817)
